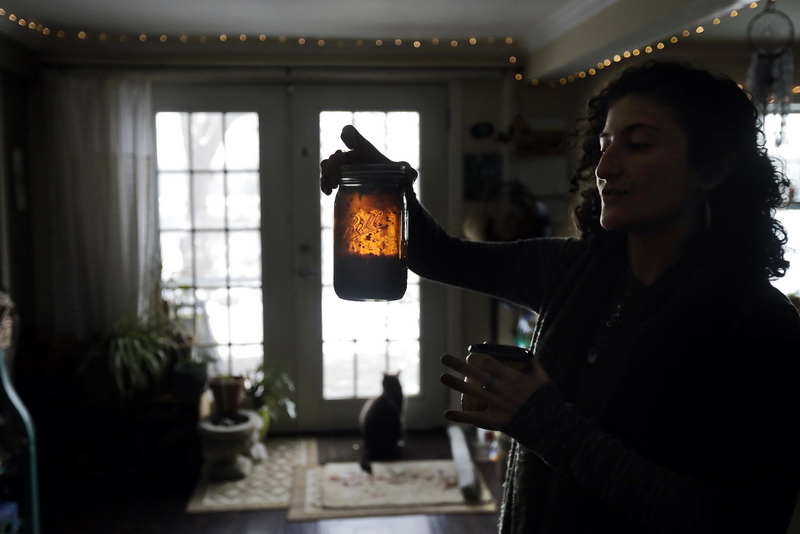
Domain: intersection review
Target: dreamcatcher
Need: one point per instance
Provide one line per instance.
(770, 34)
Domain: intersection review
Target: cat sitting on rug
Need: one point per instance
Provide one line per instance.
(382, 425)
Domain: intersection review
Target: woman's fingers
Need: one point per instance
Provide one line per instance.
(353, 140)
(494, 385)
(329, 171)
(361, 152)
(467, 387)
(411, 172)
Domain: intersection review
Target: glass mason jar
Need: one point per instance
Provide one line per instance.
(370, 233)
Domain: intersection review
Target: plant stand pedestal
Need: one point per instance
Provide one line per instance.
(231, 446)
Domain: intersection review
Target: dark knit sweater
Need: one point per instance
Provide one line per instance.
(681, 424)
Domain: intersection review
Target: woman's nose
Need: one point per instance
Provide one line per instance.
(608, 165)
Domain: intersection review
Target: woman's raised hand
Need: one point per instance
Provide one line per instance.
(361, 152)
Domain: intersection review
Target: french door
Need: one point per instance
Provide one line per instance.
(336, 351)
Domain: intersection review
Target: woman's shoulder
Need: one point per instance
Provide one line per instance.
(764, 318)
(763, 299)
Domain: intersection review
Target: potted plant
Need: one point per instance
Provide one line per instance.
(189, 369)
(135, 354)
(190, 373)
(268, 391)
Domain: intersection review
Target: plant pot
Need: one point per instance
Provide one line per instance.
(189, 380)
(228, 394)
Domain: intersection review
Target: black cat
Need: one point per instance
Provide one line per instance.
(382, 426)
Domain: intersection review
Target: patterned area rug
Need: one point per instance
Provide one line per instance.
(396, 488)
(268, 486)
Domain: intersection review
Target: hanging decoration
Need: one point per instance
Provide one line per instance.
(769, 80)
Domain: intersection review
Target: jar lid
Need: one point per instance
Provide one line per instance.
(390, 173)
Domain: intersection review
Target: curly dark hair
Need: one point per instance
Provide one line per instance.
(724, 135)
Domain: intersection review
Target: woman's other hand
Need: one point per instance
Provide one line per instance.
(503, 389)
(361, 152)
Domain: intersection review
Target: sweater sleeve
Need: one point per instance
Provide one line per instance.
(749, 481)
(516, 271)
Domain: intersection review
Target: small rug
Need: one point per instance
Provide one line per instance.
(268, 486)
(431, 444)
(396, 488)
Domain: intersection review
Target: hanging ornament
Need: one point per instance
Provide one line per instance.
(770, 34)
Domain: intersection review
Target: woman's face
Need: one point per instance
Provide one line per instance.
(644, 178)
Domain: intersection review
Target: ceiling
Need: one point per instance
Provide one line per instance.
(553, 36)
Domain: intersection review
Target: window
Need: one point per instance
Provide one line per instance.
(210, 235)
(789, 154)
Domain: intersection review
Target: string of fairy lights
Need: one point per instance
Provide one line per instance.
(224, 37)
(636, 52)
(107, 37)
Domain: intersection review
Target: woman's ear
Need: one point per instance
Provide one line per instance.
(716, 174)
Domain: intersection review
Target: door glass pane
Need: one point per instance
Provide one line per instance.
(241, 141)
(362, 340)
(209, 200)
(207, 150)
(173, 200)
(172, 148)
(244, 209)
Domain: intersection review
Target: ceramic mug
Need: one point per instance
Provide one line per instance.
(515, 357)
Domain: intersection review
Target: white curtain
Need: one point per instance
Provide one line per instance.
(103, 234)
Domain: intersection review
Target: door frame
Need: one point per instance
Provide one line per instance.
(307, 101)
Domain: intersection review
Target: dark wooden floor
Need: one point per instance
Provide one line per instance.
(126, 505)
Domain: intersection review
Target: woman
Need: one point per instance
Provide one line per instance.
(665, 381)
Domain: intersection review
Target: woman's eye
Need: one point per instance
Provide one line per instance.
(638, 146)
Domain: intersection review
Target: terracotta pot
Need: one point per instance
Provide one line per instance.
(228, 394)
